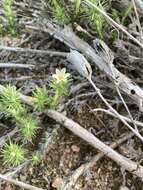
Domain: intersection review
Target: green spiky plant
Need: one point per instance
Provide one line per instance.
(29, 127)
(11, 105)
(41, 98)
(11, 21)
(59, 13)
(97, 20)
(13, 154)
(10, 102)
(35, 159)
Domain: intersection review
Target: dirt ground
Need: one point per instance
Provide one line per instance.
(63, 152)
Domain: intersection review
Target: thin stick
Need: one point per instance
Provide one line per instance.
(114, 111)
(16, 65)
(19, 183)
(112, 114)
(83, 67)
(113, 22)
(28, 50)
(138, 20)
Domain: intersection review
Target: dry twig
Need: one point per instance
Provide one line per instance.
(19, 183)
(16, 65)
(28, 50)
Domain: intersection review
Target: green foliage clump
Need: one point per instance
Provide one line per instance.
(97, 21)
(29, 127)
(13, 154)
(122, 17)
(11, 21)
(11, 105)
(59, 13)
(10, 102)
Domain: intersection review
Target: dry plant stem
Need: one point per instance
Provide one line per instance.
(126, 107)
(84, 167)
(114, 111)
(16, 65)
(28, 50)
(138, 20)
(127, 164)
(67, 36)
(114, 115)
(111, 21)
(110, 54)
(19, 183)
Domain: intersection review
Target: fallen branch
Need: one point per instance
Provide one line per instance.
(4, 138)
(28, 50)
(124, 162)
(70, 183)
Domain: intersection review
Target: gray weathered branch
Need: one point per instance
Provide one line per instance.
(67, 36)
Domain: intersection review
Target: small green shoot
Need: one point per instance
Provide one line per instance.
(77, 6)
(40, 98)
(96, 19)
(10, 102)
(59, 13)
(35, 159)
(7, 6)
